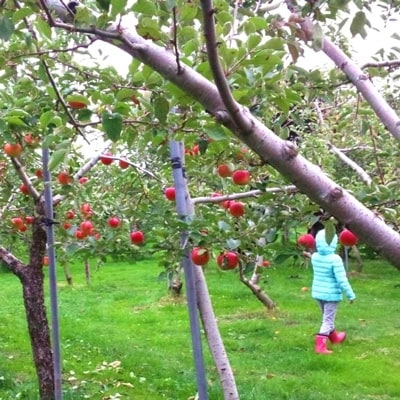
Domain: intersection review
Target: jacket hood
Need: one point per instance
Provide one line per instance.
(322, 246)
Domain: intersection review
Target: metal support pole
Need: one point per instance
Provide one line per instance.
(185, 211)
(52, 276)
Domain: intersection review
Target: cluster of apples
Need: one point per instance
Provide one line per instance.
(226, 260)
(108, 158)
(346, 238)
(21, 223)
(86, 227)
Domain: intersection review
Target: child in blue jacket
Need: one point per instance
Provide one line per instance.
(329, 282)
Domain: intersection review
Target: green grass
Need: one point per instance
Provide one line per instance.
(123, 336)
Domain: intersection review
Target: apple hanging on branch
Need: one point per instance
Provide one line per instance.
(114, 222)
(348, 238)
(137, 237)
(200, 256)
(228, 260)
(307, 240)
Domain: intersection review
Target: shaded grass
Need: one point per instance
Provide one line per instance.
(123, 336)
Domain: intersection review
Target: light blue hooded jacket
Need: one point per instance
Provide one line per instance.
(330, 279)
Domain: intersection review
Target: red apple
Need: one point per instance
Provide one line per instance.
(225, 204)
(169, 193)
(39, 173)
(123, 164)
(45, 261)
(307, 240)
(86, 227)
(12, 149)
(236, 208)
(70, 214)
(29, 139)
(107, 158)
(29, 219)
(348, 238)
(64, 178)
(241, 177)
(24, 189)
(137, 237)
(67, 225)
(77, 105)
(17, 222)
(200, 256)
(113, 222)
(83, 180)
(22, 228)
(266, 264)
(86, 210)
(228, 260)
(225, 170)
(80, 235)
(195, 150)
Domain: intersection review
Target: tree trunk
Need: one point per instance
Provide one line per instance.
(32, 280)
(213, 336)
(38, 327)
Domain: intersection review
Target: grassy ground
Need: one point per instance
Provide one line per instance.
(124, 337)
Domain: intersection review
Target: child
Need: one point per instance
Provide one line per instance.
(329, 282)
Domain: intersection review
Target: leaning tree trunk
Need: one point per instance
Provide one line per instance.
(280, 154)
(213, 336)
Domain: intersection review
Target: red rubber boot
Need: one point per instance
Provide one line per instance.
(320, 344)
(337, 337)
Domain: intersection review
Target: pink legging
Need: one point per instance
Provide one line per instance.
(329, 309)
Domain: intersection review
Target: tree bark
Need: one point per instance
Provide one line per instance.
(32, 280)
(213, 336)
(38, 327)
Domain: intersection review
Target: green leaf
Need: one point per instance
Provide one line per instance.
(317, 38)
(46, 118)
(103, 4)
(125, 93)
(217, 132)
(145, 7)
(43, 28)
(161, 109)
(112, 125)
(21, 14)
(57, 158)
(253, 41)
(117, 7)
(330, 231)
(6, 28)
(358, 25)
(189, 12)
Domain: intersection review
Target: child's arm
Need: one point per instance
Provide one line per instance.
(341, 278)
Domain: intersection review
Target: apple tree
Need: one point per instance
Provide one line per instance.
(222, 77)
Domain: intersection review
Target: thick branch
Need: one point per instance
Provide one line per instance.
(280, 154)
(234, 109)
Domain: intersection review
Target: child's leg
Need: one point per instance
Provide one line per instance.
(329, 309)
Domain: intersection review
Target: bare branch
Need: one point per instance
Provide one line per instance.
(235, 110)
(251, 193)
(353, 165)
